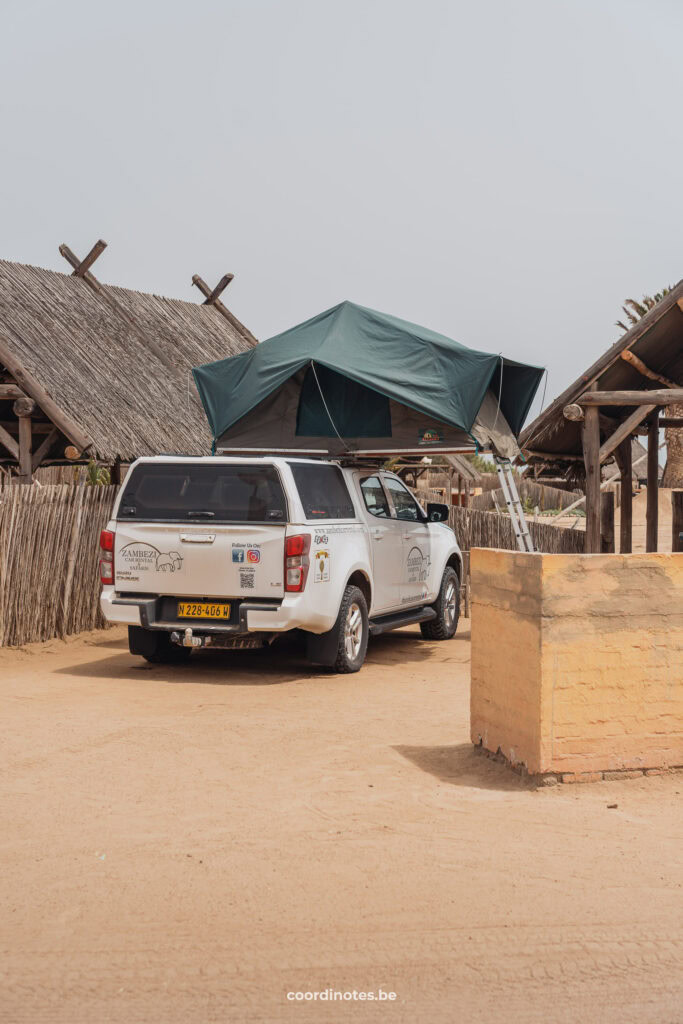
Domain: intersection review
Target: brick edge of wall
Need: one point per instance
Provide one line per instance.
(554, 778)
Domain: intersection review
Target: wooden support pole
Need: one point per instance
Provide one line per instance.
(25, 459)
(624, 430)
(43, 448)
(624, 457)
(673, 396)
(11, 391)
(640, 366)
(677, 520)
(31, 387)
(553, 456)
(652, 512)
(467, 494)
(450, 486)
(591, 458)
(8, 442)
(607, 523)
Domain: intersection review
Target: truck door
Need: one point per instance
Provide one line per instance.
(416, 538)
(386, 543)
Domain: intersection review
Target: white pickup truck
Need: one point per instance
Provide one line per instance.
(231, 552)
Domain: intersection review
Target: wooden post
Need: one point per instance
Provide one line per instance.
(591, 459)
(450, 487)
(624, 457)
(676, 520)
(459, 489)
(466, 581)
(25, 457)
(652, 513)
(607, 523)
(467, 494)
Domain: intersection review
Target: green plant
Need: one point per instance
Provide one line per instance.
(97, 476)
(635, 311)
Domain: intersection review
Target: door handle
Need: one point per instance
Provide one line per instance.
(377, 534)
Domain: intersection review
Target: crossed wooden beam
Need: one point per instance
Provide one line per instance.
(211, 296)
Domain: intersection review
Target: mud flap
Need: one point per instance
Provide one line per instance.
(144, 642)
(321, 648)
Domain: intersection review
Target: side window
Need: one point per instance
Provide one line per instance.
(404, 503)
(322, 490)
(374, 497)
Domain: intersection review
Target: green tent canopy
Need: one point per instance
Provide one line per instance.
(353, 379)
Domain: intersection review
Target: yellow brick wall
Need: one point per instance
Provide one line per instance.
(577, 660)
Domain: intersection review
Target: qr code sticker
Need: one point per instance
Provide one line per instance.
(247, 580)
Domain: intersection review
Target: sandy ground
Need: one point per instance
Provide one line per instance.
(190, 845)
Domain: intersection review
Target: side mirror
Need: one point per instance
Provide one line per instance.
(436, 512)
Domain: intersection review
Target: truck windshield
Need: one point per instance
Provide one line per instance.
(180, 492)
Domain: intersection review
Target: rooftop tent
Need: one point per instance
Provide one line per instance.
(353, 379)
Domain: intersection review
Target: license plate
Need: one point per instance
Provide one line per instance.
(200, 610)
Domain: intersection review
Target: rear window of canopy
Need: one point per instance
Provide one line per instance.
(220, 493)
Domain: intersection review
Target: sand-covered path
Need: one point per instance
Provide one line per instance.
(191, 845)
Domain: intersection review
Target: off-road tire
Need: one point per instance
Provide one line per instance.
(345, 660)
(154, 645)
(443, 627)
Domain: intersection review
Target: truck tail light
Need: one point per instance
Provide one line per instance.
(107, 539)
(296, 562)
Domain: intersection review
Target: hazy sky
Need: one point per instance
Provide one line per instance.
(503, 172)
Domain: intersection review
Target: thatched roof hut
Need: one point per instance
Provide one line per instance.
(102, 370)
(654, 344)
(635, 387)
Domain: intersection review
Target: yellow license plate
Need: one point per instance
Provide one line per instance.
(200, 610)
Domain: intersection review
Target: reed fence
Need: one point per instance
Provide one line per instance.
(538, 495)
(49, 579)
(476, 528)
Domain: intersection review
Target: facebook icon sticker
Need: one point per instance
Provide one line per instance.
(238, 554)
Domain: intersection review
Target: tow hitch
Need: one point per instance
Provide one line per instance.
(225, 642)
(187, 639)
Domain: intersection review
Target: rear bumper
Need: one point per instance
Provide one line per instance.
(253, 616)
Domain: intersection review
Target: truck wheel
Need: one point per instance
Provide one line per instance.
(155, 646)
(352, 631)
(447, 608)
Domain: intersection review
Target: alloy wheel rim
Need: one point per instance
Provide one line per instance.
(450, 603)
(353, 631)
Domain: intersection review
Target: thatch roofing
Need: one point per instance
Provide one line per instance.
(657, 340)
(116, 364)
(464, 467)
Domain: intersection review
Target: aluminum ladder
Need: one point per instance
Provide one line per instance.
(514, 505)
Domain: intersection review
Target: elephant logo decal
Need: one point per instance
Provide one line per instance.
(169, 561)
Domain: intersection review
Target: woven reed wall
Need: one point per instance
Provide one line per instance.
(540, 495)
(49, 578)
(480, 529)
